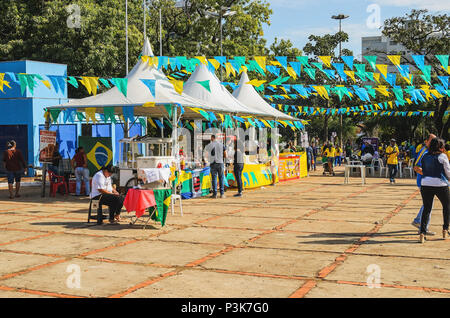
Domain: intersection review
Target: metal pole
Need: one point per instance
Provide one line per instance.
(160, 33)
(145, 26)
(221, 49)
(44, 165)
(126, 34)
(340, 117)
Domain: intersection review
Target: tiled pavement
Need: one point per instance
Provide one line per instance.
(314, 237)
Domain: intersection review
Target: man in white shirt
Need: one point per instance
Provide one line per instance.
(102, 188)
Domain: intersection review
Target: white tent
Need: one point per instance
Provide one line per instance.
(218, 94)
(138, 93)
(247, 95)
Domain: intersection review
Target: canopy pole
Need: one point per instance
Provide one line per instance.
(44, 165)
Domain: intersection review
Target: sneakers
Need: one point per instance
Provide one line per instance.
(222, 196)
(214, 196)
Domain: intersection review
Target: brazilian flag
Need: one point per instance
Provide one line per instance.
(98, 151)
(162, 198)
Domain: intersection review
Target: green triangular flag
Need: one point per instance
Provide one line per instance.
(205, 84)
(80, 116)
(54, 113)
(303, 60)
(311, 72)
(168, 107)
(121, 84)
(105, 82)
(109, 114)
(72, 81)
(426, 70)
(204, 114)
(372, 59)
(143, 122)
(444, 61)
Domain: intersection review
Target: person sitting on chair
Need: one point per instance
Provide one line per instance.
(102, 186)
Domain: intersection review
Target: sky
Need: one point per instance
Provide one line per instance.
(297, 19)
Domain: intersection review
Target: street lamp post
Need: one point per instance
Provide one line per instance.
(224, 12)
(340, 17)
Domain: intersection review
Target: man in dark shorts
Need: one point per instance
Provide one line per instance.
(14, 164)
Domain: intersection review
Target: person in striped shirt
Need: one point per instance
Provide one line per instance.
(418, 170)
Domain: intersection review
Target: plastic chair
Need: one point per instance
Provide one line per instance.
(382, 166)
(371, 167)
(409, 168)
(95, 204)
(55, 182)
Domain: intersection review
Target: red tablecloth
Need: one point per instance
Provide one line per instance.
(138, 200)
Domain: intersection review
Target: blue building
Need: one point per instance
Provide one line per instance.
(22, 112)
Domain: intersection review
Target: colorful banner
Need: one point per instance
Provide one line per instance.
(47, 143)
(98, 152)
(292, 166)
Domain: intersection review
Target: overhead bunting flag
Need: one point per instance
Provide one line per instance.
(90, 114)
(261, 60)
(348, 60)
(178, 85)
(109, 114)
(372, 60)
(205, 84)
(121, 84)
(91, 84)
(128, 113)
(72, 81)
(395, 59)
(151, 84)
(444, 61)
(326, 60)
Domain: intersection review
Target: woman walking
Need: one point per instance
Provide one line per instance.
(436, 173)
(14, 165)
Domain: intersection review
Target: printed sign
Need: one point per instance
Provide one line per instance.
(47, 144)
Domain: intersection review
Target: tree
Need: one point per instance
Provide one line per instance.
(425, 34)
(38, 30)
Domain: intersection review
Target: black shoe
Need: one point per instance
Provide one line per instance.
(214, 196)
(238, 195)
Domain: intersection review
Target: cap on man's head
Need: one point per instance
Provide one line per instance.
(392, 140)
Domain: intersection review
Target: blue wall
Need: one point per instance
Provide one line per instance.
(28, 108)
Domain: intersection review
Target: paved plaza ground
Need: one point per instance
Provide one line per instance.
(314, 237)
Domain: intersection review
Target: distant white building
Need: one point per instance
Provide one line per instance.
(382, 46)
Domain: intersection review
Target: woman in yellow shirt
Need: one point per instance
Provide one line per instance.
(330, 153)
(392, 160)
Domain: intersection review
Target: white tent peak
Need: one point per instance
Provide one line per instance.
(218, 94)
(147, 50)
(247, 95)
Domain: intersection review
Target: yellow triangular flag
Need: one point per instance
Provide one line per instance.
(321, 90)
(47, 84)
(351, 74)
(326, 60)
(221, 117)
(291, 72)
(395, 59)
(283, 89)
(256, 82)
(382, 90)
(382, 68)
(214, 63)
(3, 82)
(178, 85)
(376, 76)
(202, 59)
(151, 122)
(90, 114)
(261, 60)
(86, 83)
(149, 104)
(229, 69)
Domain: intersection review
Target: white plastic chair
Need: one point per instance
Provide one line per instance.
(371, 167)
(382, 167)
(409, 168)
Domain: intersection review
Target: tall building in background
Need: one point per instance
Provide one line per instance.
(382, 46)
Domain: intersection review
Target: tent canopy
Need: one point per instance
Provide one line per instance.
(247, 95)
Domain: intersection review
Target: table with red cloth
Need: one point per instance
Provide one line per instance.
(157, 201)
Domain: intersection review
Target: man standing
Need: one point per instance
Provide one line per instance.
(216, 151)
(238, 165)
(80, 165)
(392, 160)
(102, 188)
(418, 170)
(14, 165)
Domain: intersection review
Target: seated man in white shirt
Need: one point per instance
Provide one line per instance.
(102, 186)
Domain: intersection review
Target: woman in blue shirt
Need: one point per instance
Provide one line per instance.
(436, 173)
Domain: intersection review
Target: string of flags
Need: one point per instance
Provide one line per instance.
(259, 64)
(108, 115)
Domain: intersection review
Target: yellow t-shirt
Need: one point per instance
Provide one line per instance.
(331, 152)
(392, 158)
